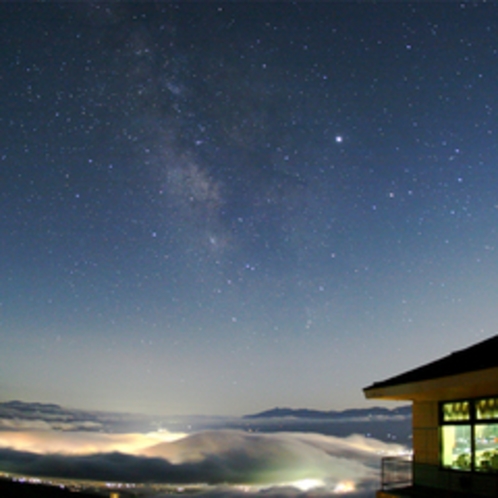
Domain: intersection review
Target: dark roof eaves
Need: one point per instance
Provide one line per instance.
(459, 362)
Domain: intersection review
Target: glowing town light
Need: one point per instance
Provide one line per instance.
(344, 487)
(307, 484)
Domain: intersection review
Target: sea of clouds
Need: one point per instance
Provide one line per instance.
(41, 441)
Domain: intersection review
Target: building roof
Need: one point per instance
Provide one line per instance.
(481, 356)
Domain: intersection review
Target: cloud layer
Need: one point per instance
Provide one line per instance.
(212, 457)
(47, 440)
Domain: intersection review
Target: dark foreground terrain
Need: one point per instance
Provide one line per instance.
(10, 489)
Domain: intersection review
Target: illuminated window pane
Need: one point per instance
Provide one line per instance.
(456, 411)
(456, 447)
(486, 444)
(487, 408)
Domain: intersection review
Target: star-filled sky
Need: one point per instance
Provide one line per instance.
(216, 208)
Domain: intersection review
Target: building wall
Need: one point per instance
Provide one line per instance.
(485, 485)
(426, 432)
(426, 465)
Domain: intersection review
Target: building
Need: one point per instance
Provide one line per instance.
(455, 423)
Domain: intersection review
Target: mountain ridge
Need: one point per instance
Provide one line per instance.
(305, 413)
(33, 410)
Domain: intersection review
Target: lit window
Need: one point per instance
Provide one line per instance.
(456, 411)
(457, 447)
(469, 435)
(487, 408)
(486, 447)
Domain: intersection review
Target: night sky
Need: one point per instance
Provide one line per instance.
(217, 208)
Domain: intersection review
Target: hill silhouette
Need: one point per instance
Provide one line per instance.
(13, 489)
(352, 413)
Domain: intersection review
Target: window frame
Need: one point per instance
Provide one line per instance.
(472, 422)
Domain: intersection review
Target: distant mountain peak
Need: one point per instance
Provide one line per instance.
(305, 413)
(30, 405)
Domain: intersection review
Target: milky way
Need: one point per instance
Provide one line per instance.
(216, 208)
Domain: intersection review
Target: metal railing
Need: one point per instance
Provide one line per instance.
(396, 471)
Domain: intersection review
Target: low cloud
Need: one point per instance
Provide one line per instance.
(47, 440)
(42, 425)
(82, 443)
(295, 461)
(18, 415)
